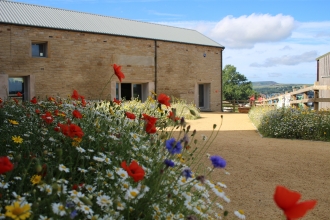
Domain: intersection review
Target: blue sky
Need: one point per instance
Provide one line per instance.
(276, 40)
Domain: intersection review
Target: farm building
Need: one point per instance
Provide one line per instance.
(323, 77)
(48, 52)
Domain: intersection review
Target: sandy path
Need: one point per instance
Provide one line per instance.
(257, 165)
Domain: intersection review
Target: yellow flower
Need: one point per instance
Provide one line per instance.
(17, 139)
(13, 122)
(76, 141)
(36, 179)
(17, 212)
(325, 133)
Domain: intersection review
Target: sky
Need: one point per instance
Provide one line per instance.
(266, 40)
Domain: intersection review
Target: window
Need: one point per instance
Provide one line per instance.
(16, 85)
(129, 91)
(39, 49)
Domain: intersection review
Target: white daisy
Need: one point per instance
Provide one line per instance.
(109, 174)
(98, 159)
(104, 201)
(222, 185)
(63, 168)
(120, 205)
(122, 173)
(4, 185)
(131, 193)
(59, 209)
(240, 214)
(80, 149)
(90, 188)
(82, 170)
(87, 210)
(135, 137)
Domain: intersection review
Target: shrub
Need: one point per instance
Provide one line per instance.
(292, 123)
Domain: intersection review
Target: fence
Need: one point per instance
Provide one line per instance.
(290, 98)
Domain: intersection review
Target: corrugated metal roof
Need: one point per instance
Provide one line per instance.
(324, 55)
(41, 16)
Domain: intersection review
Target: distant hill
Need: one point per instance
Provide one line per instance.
(271, 87)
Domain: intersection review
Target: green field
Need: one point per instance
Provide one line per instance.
(271, 87)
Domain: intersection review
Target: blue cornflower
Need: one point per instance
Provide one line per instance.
(187, 172)
(73, 214)
(172, 146)
(169, 163)
(218, 162)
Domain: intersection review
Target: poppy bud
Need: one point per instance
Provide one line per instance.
(192, 112)
(38, 168)
(86, 201)
(18, 157)
(214, 126)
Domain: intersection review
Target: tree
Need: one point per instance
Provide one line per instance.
(235, 85)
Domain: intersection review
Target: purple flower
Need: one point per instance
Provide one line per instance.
(172, 146)
(73, 214)
(169, 163)
(218, 162)
(187, 172)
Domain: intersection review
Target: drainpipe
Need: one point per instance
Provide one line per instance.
(221, 110)
(155, 67)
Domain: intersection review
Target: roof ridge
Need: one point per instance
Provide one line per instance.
(88, 13)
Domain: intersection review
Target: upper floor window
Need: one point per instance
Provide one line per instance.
(39, 49)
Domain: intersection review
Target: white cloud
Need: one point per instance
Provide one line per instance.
(288, 60)
(246, 31)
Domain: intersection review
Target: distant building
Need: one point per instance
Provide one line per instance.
(323, 76)
(48, 52)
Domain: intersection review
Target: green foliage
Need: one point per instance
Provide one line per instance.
(59, 176)
(291, 123)
(235, 85)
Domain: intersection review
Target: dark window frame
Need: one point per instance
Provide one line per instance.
(39, 49)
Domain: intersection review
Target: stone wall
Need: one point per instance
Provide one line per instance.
(83, 61)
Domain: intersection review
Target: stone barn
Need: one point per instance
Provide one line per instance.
(323, 77)
(50, 52)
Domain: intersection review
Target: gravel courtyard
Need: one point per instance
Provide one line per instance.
(257, 165)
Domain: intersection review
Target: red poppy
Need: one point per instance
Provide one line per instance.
(5, 165)
(130, 115)
(15, 100)
(19, 94)
(287, 200)
(83, 102)
(164, 99)
(118, 72)
(34, 100)
(149, 118)
(134, 170)
(1, 101)
(71, 130)
(172, 117)
(150, 128)
(51, 99)
(47, 117)
(116, 101)
(75, 95)
(150, 123)
(77, 114)
(37, 111)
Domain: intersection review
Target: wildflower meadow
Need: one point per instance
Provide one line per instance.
(291, 123)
